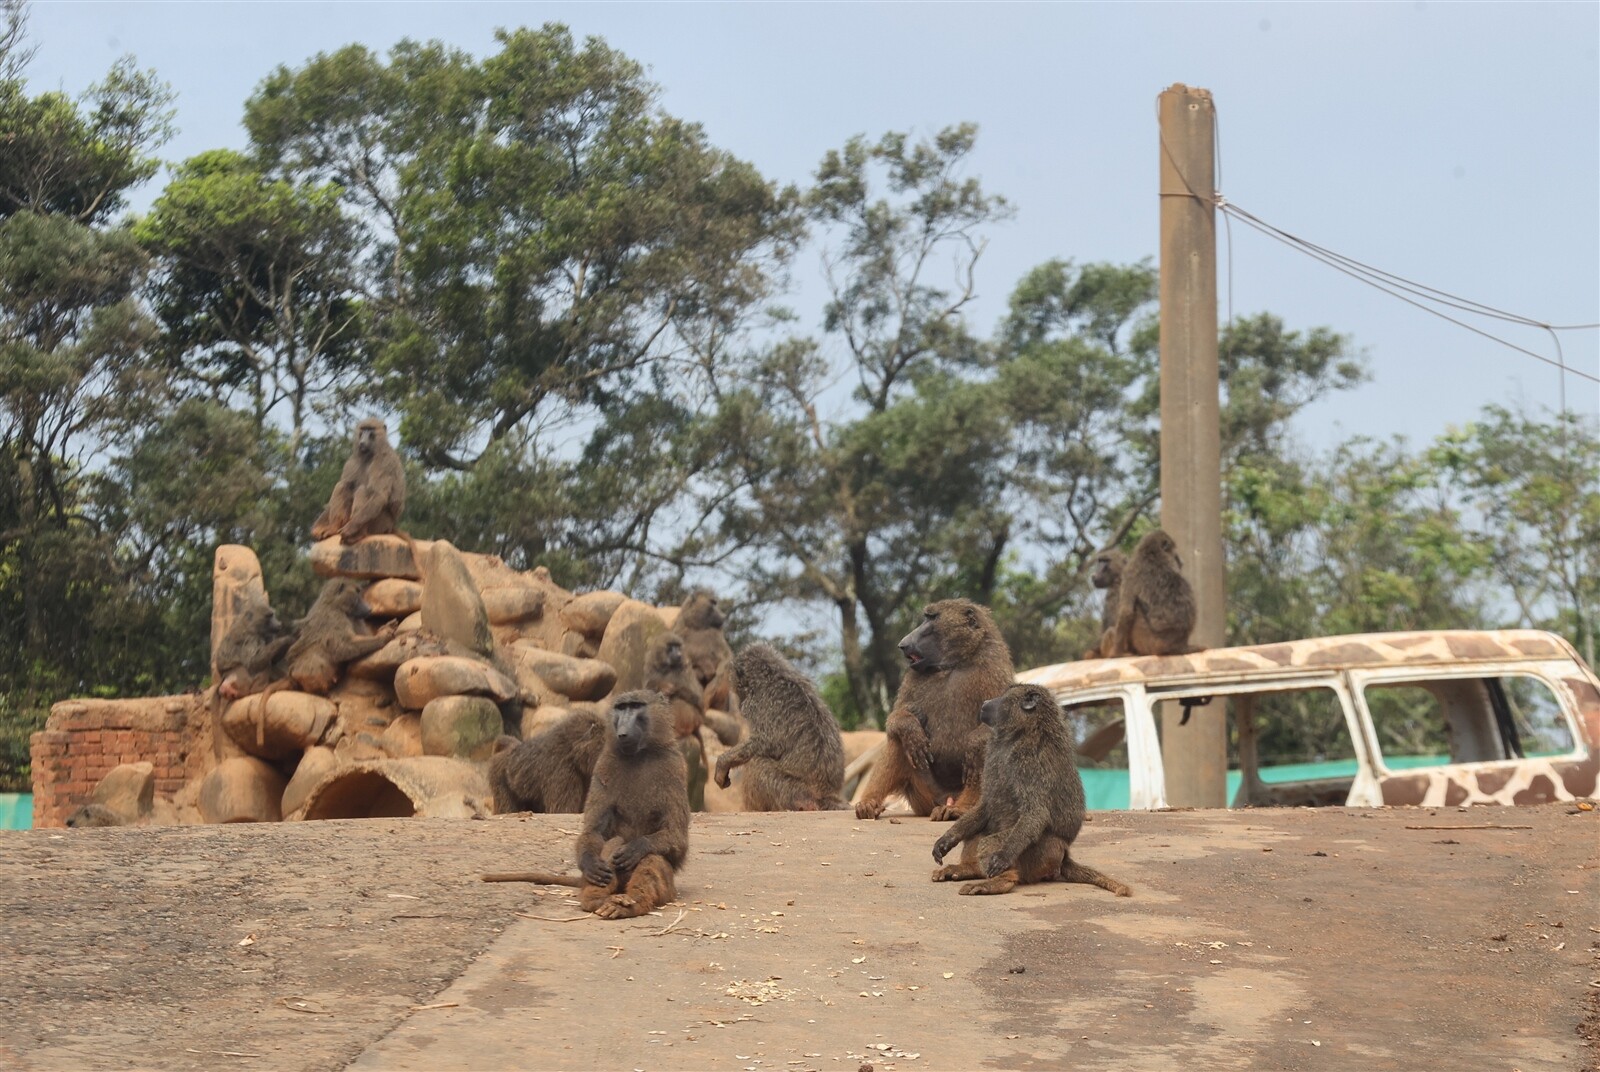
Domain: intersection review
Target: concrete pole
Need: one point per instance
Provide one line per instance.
(1196, 755)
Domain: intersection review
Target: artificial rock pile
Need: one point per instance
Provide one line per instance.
(479, 652)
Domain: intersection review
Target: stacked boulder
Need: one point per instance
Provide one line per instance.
(479, 653)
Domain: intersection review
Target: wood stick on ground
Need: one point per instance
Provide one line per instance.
(1477, 826)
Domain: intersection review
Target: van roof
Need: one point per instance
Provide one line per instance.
(1319, 654)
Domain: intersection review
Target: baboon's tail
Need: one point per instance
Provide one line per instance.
(544, 878)
(1072, 871)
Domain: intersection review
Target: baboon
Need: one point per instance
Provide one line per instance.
(1155, 605)
(550, 771)
(249, 650)
(669, 673)
(1023, 826)
(700, 625)
(636, 820)
(796, 758)
(371, 492)
(92, 815)
(1107, 575)
(933, 752)
(332, 634)
(329, 636)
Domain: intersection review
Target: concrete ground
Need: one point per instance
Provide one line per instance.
(1281, 939)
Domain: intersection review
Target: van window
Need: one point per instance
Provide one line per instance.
(1429, 723)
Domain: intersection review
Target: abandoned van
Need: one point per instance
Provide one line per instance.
(1424, 718)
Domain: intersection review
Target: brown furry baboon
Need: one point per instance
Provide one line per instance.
(933, 751)
(1155, 605)
(333, 632)
(795, 756)
(249, 650)
(1023, 826)
(1107, 575)
(667, 671)
(636, 821)
(371, 492)
(550, 771)
(699, 623)
(93, 815)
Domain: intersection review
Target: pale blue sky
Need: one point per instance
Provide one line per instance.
(1455, 144)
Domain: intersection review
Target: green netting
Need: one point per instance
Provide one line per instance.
(16, 811)
(1107, 790)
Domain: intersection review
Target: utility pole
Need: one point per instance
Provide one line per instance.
(1195, 755)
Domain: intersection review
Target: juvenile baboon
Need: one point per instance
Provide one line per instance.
(249, 650)
(92, 815)
(550, 771)
(669, 673)
(333, 632)
(636, 820)
(1107, 575)
(699, 623)
(1023, 826)
(371, 492)
(795, 757)
(933, 751)
(1155, 606)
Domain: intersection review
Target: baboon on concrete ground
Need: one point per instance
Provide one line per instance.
(699, 623)
(1155, 606)
(550, 771)
(1107, 575)
(1022, 828)
(934, 743)
(636, 820)
(371, 492)
(248, 652)
(795, 755)
(331, 634)
(92, 815)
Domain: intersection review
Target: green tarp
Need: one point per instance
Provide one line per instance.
(1107, 790)
(16, 811)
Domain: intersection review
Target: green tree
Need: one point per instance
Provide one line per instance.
(857, 504)
(72, 377)
(256, 289)
(1533, 488)
(551, 268)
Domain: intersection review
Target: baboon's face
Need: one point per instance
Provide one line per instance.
(1017, 704)
(1106, 569)
(702, 612)
(346, 597)
(368, 433)
(951, 631)
(672, 655)
(631, 721)
(922, 647)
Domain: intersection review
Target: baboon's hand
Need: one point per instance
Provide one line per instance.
(595, 870)
(941, 848)
(389, 629)
(995, 864)
(721, 773)
(628, 856)
(351, 533)
(869, 809)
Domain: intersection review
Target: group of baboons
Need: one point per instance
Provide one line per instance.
(963, 741)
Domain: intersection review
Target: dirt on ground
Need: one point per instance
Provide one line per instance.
(1285, 939)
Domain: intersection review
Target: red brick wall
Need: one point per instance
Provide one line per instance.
(84, 739)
